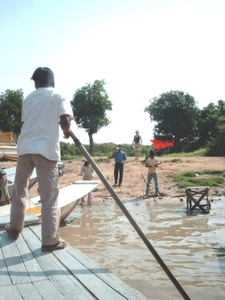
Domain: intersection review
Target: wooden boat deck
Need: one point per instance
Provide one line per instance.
(28, 273)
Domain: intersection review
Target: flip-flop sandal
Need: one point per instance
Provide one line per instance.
(58, 246)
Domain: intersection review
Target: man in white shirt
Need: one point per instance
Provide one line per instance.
(38, 146)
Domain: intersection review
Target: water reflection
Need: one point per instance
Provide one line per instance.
(192, 246)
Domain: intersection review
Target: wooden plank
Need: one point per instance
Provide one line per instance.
(29, 219)
(198, 187)
(106, 275)
(59, 275)
(93, 283)
(33, 268)
(9, 292)
(48, 291)
(74, 287)
(66, 274)
(13, 261)
(56, 272)
(91, 277)
(57, 280)
(29, 292)
(5, 279)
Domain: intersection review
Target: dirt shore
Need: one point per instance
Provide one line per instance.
(133, 185)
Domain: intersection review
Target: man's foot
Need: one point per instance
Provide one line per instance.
(156, 195)
(115, 184)
(120, 184)
(14, 233)
(59, 246)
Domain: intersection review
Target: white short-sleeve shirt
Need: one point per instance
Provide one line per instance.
(41, 113)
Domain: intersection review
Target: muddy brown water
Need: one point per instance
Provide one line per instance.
(191, 245)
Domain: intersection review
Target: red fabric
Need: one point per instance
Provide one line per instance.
(160, 144)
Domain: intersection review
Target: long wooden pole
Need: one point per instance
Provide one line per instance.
(128, 215)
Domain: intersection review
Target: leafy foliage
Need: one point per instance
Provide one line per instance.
(211, 128)
(90, 104)
(10, 111)
(216, 147)
(176, 115)
(69, 151)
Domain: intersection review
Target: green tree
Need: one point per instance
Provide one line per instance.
(211, 128)
(206, 124)
(175, 114)
(10, 111)
(90, 104)
(216, 146)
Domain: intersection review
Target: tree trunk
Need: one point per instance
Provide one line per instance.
(92, 151)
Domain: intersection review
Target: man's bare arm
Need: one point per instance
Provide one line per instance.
(65, 125)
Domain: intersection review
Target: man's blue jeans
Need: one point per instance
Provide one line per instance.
(153, 176)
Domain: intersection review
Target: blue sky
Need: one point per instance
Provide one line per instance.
(142, 48)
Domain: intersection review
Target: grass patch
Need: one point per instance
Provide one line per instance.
(187, 179)
(199, 152)
(214, 172)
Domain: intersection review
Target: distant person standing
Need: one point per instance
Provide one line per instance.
(88, 174)
(152, 164)
(119, 157)
(137, 141)
(4, 187)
